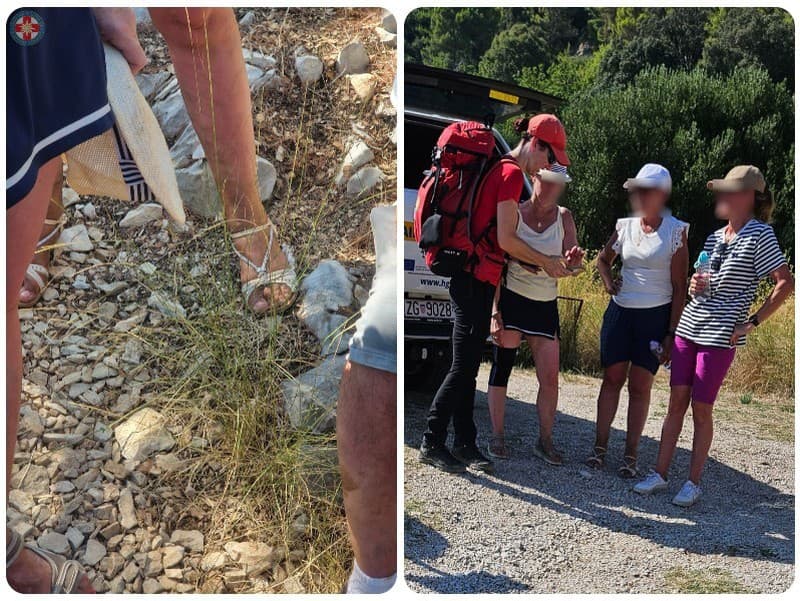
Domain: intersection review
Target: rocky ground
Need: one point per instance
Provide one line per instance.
(534, 528)
(163, 442)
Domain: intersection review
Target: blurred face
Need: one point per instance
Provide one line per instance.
(648, 202)
(547, 191)
(730, 205)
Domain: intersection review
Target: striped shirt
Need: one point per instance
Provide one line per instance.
(736, 269)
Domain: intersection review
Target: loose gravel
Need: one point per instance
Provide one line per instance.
(534, 528)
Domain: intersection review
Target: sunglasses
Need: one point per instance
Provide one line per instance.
(551, 156)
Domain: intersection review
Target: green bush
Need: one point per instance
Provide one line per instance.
(697, 125)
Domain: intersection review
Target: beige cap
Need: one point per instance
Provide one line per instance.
(131, 161)
(741, 177)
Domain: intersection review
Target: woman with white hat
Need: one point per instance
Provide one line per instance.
(526, 306)
(645, 306)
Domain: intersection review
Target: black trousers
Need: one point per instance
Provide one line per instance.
(455, 399)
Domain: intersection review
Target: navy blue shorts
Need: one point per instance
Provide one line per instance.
(55, 90)
(626, 335)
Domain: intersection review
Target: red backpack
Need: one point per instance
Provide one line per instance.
(463, 157)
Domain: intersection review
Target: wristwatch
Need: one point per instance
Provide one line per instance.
(754, 320)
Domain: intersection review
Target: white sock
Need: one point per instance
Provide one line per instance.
(361, 584)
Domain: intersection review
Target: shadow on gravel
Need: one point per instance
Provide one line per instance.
(738, 515)
(432, 546)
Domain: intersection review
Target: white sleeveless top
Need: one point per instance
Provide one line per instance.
(647, 261)
(536, 286)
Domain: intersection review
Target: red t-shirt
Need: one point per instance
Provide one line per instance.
(504, 182)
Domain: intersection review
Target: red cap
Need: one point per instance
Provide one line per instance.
(548, 128)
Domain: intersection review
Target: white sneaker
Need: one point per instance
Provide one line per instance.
(652, 483)
(688, 494)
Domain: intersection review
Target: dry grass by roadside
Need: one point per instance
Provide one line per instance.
(715, 581)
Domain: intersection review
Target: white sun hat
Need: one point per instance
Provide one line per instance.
(557, 174)
(651, 175)
(130, 161)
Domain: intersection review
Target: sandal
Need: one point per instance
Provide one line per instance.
(497, 448)
(548, 455)
(39, 274)
(264, 278)
(65, 573)
(597, 459)
(629, 468)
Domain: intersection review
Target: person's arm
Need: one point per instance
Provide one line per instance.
(784, 286)
(679, 272)
(511, 243)
(605, 259)
(117, 27)
(573, 253)
(497, 318)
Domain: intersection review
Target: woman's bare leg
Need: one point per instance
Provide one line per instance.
(702, 415)
(29, 573)
(545, 356)
(55, 210)
(608, 400)
(205, 46)
(640, 384)
(673, 424)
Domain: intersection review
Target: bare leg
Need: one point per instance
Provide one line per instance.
(205, 47)
(608, 400)
(55, 210)
(29, 573)
(366, 430)
(640, 384)
(673, 424)
(702, 414)
(497, 394)
(545, 356)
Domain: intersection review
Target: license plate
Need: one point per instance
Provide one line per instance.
(429, 309)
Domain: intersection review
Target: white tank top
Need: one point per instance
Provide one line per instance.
(536, 286)
(647, 261)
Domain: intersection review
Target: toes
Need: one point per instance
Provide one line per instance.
(277, 294)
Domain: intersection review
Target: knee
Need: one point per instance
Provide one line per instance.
(638, 391)
(701, 414)
(548, 380)
(614, 381)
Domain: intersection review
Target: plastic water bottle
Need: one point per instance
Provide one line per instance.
(702, 267)
(657, 350)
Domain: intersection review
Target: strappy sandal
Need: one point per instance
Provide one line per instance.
(65, 573)
(629, 468)
(39, 274)
(597, 459)
(497, 448)
(265, 277)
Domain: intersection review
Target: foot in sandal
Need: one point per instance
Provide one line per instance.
(629, 468)
(268, 278)
(546, 451)
(597, 460)
(37, 275)
(33, 570)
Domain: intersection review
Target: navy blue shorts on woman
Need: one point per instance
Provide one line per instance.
(626, 335)
(55, 90)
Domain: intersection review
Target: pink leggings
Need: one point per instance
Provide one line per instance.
(702, 367)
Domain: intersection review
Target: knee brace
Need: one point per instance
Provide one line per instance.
(502, 364)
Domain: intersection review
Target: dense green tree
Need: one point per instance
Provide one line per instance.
(672, 37)
(698, 126)
(512, 50)
(751, 36)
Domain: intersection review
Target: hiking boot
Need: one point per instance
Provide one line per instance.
(440, 458)
(497, 449)
(470, 456)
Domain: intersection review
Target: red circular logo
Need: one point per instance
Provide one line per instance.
(26, 27)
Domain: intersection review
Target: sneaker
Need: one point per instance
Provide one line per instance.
(470, 456)
(497, 449)
(440, 458)
(652, 483)
(688, 494)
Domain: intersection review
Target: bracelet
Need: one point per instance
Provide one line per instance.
(754, 320)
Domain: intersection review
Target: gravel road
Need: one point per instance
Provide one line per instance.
(534, 528)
